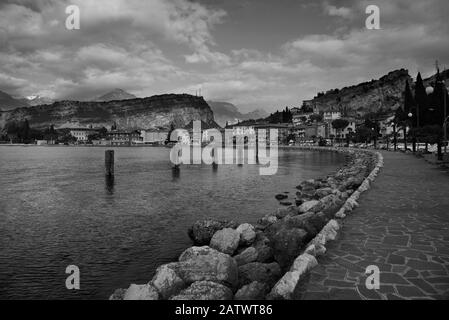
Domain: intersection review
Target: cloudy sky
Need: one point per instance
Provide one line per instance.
(253, 53)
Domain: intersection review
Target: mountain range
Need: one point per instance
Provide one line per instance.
(127, 111)
(226, 112)
(384, 94)
(115, 95)
(156, 112)
(8, 102)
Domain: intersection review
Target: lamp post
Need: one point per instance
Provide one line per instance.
(445, 117)
(395, 136)
(445, 133)
(429, 91)
(410, 115)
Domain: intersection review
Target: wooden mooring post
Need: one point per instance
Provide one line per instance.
(109, 163)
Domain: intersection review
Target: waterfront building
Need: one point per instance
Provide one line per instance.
(197, 138)
(82, 134)
(117, 137)
(100, 142)
(341, 133)
(154, 136)
(285, 130)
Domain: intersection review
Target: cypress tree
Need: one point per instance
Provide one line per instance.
(409, 102)
(421, 101)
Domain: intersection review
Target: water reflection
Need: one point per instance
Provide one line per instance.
(118, 229)
(109, 184)
(176, 173)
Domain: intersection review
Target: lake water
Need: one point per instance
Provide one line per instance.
(57, 209)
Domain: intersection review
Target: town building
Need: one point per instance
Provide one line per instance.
(344, 133)
(301, 118)
(315, 130)
(124, 137)
(200, 137)
(82, 134)
(154, 136)
(284, 131)
(331, 115)
(295, 111)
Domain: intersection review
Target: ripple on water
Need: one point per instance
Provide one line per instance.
(57, 209)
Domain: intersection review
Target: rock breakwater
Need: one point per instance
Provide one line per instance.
(268, 259)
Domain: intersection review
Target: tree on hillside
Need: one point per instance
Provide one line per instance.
(172, 128)
(339, 125)
(316, 117)
(421, 102)
(364, 134)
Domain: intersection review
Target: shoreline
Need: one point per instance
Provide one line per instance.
(265, 260)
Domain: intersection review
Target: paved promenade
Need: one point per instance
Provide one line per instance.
(402, 226)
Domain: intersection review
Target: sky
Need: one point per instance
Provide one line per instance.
(256, 54)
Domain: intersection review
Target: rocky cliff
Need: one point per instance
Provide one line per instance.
(385, 93)
(153, 112)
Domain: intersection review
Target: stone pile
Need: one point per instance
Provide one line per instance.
(268, 259)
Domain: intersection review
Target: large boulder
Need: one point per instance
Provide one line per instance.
(318, 221)
(322, 192)
(246, 256)
(285, 212)
(267, 273)
(206, 264)
(247, 234)
(287, 245)
(141, 292)
(205, 290)
(308, 206)
(263, 248)
(253, 291)
(167, 282)
(118, 294)
(202, 231)
(304, 222)
(226, 240)
(285, 287)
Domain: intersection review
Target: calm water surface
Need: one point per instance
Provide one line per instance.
(57, 209)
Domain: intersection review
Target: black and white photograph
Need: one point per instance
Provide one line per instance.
(218, 156)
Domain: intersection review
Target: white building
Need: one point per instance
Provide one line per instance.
(331, 115)
(82, 134)
(154, 136)
(342, 133)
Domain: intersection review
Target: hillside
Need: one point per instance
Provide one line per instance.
(146, 113)
(227, 112)
(7, 102)
(116, 94)
(385, 94)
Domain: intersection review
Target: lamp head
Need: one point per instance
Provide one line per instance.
(429, 90)
(410, 115)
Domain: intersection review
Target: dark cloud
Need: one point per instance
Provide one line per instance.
(157, 46)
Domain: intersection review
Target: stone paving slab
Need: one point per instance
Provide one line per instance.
(401, 226)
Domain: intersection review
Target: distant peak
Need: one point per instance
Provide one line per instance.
(116, 94)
